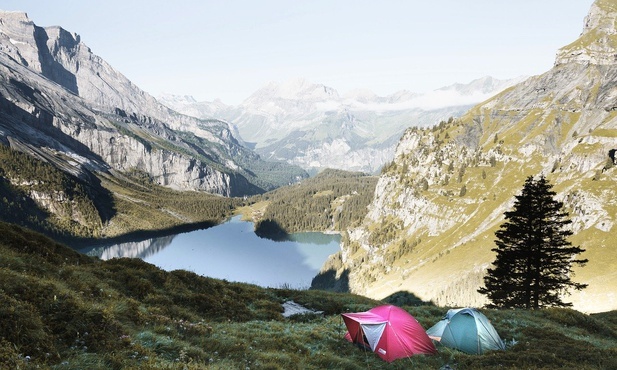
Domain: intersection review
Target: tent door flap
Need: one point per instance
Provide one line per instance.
(372, 333)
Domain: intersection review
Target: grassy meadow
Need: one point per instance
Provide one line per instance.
(63, 310)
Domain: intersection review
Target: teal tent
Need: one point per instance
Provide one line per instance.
(467, 330)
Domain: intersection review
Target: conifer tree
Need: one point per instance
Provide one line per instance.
(534, 259)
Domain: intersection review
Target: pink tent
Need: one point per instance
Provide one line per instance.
(389, 331)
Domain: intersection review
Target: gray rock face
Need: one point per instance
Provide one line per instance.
(598, 41)
(70, 103)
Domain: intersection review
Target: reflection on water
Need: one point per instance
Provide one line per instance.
(141, 249)
(233, 252)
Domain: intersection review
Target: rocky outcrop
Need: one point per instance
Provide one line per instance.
(431, 225)
(598, 42)
(61, 128)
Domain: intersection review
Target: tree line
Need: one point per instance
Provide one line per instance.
(332, 200)
(71, 209)
(76, 208)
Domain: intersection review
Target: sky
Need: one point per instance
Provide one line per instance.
(228, 49)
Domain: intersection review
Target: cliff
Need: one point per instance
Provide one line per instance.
(431, 225)
(71, 105)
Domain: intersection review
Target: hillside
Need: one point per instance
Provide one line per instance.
(64, 310)
(332, 201)
(431, 225)
(86, 209)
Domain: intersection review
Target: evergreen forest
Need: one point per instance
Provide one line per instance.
(334, 200)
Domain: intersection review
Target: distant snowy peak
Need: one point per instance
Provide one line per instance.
(484, 85)
(460, 94)
(361, 95)
(188, 105)
(294, 89)
(311, 125)
(450, 96)
(280, 95)
(298, 97)
(402, 95)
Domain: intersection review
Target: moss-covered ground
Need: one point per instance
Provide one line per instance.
(63, 310)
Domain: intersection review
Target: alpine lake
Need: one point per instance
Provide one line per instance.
(233, 252)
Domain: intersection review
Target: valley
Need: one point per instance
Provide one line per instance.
(415, 185)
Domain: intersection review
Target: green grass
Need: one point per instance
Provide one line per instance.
(64, 310)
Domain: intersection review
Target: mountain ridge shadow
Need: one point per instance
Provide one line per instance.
(328, 281)
(406, 298)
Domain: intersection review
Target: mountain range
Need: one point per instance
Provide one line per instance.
(431, 226)
(64, 104)
(313, 126)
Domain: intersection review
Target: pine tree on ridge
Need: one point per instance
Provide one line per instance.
(534, 259)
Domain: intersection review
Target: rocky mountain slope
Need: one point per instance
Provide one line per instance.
(431, 225)
(62, 103)
(313, 126)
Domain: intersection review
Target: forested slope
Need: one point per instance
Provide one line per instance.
(334, 200)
